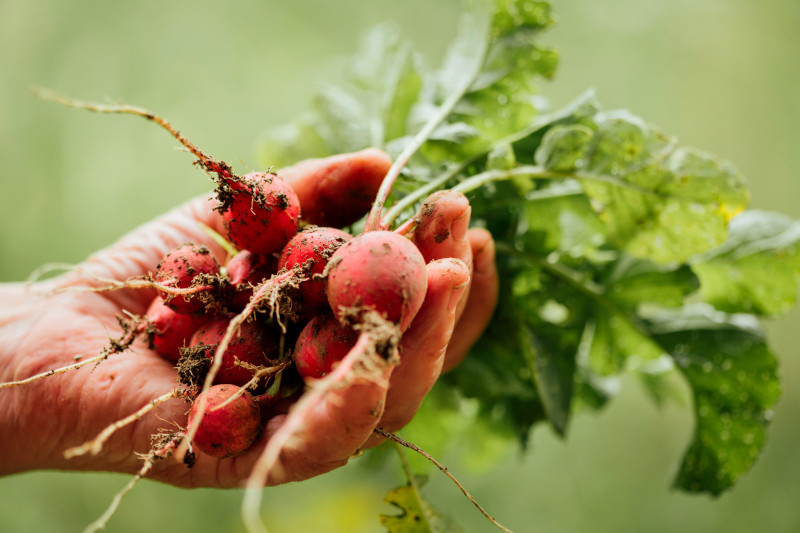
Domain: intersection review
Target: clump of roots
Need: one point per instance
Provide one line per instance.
(193, 366)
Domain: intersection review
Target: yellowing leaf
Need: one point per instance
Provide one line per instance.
(416, 514)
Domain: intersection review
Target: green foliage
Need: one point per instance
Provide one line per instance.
(656, 201)
(733, 376)
(757, 270)
(612, 239)
(417, 515)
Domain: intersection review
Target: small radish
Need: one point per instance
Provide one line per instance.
(377, 270)
(261, 212)
(230, 430)
(246, 270)
(252, 344)
(310, 250)
(321, 345)
(188, 266)
(170, 330)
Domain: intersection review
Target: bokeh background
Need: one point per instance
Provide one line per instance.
(722, 75)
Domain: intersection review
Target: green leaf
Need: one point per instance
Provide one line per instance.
(512, 16)
(633, 282)
(370, 108)
(564, 148)
(617, 338)
(733, 376)
(757, 269)
(663, 383)
(616, 342)
(417, 515)
(657, 202)
(388, 76)
(345, 120)
(554, 376)
(497, 375)
(604, 229)
(496, 64)
(560, 219)
(501, 157)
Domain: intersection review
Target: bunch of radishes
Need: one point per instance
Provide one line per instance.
(315, 289)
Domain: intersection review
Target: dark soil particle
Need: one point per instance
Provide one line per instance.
(194, 364)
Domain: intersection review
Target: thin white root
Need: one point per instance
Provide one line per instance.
(101, 522)
(53, 96)
(49, 268)
(160, 450)
(132, 283)
(54, 372)
(221, 168)
(95, 445)
(363, 361)
(261, 372)
(131, 330)
(216, 363)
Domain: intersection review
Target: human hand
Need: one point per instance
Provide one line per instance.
(40, 332)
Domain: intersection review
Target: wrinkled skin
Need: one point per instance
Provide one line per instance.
(40, 331)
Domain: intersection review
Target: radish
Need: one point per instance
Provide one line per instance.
(169, 330)
(228, 430)
(261, 211)
(322, 343)
(246, 270)
(310, 250)
(189, 266)
(377, 270)
(252, 345)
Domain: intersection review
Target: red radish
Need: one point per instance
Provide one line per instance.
(170, 330)
(229, 430)
(184, 267)
(311, 249)
(246, 270)
(252, 344)
(377, 270)
(321, 345)
(261, 212)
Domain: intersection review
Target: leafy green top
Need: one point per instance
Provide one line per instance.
(618, 249)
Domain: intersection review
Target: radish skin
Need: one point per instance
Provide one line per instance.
(381, 271)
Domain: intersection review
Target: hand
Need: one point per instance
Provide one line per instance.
(39, 332)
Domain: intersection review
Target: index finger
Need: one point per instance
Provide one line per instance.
(338, 190)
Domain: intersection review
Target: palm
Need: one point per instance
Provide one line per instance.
(83, 402)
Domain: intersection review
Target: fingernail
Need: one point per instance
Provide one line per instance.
(455, 296)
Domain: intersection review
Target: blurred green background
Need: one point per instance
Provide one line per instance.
(723, 75)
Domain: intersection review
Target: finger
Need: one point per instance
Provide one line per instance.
(441, 229)
(481, 302)
(331, 421)
(423, 346)
(336, 191)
